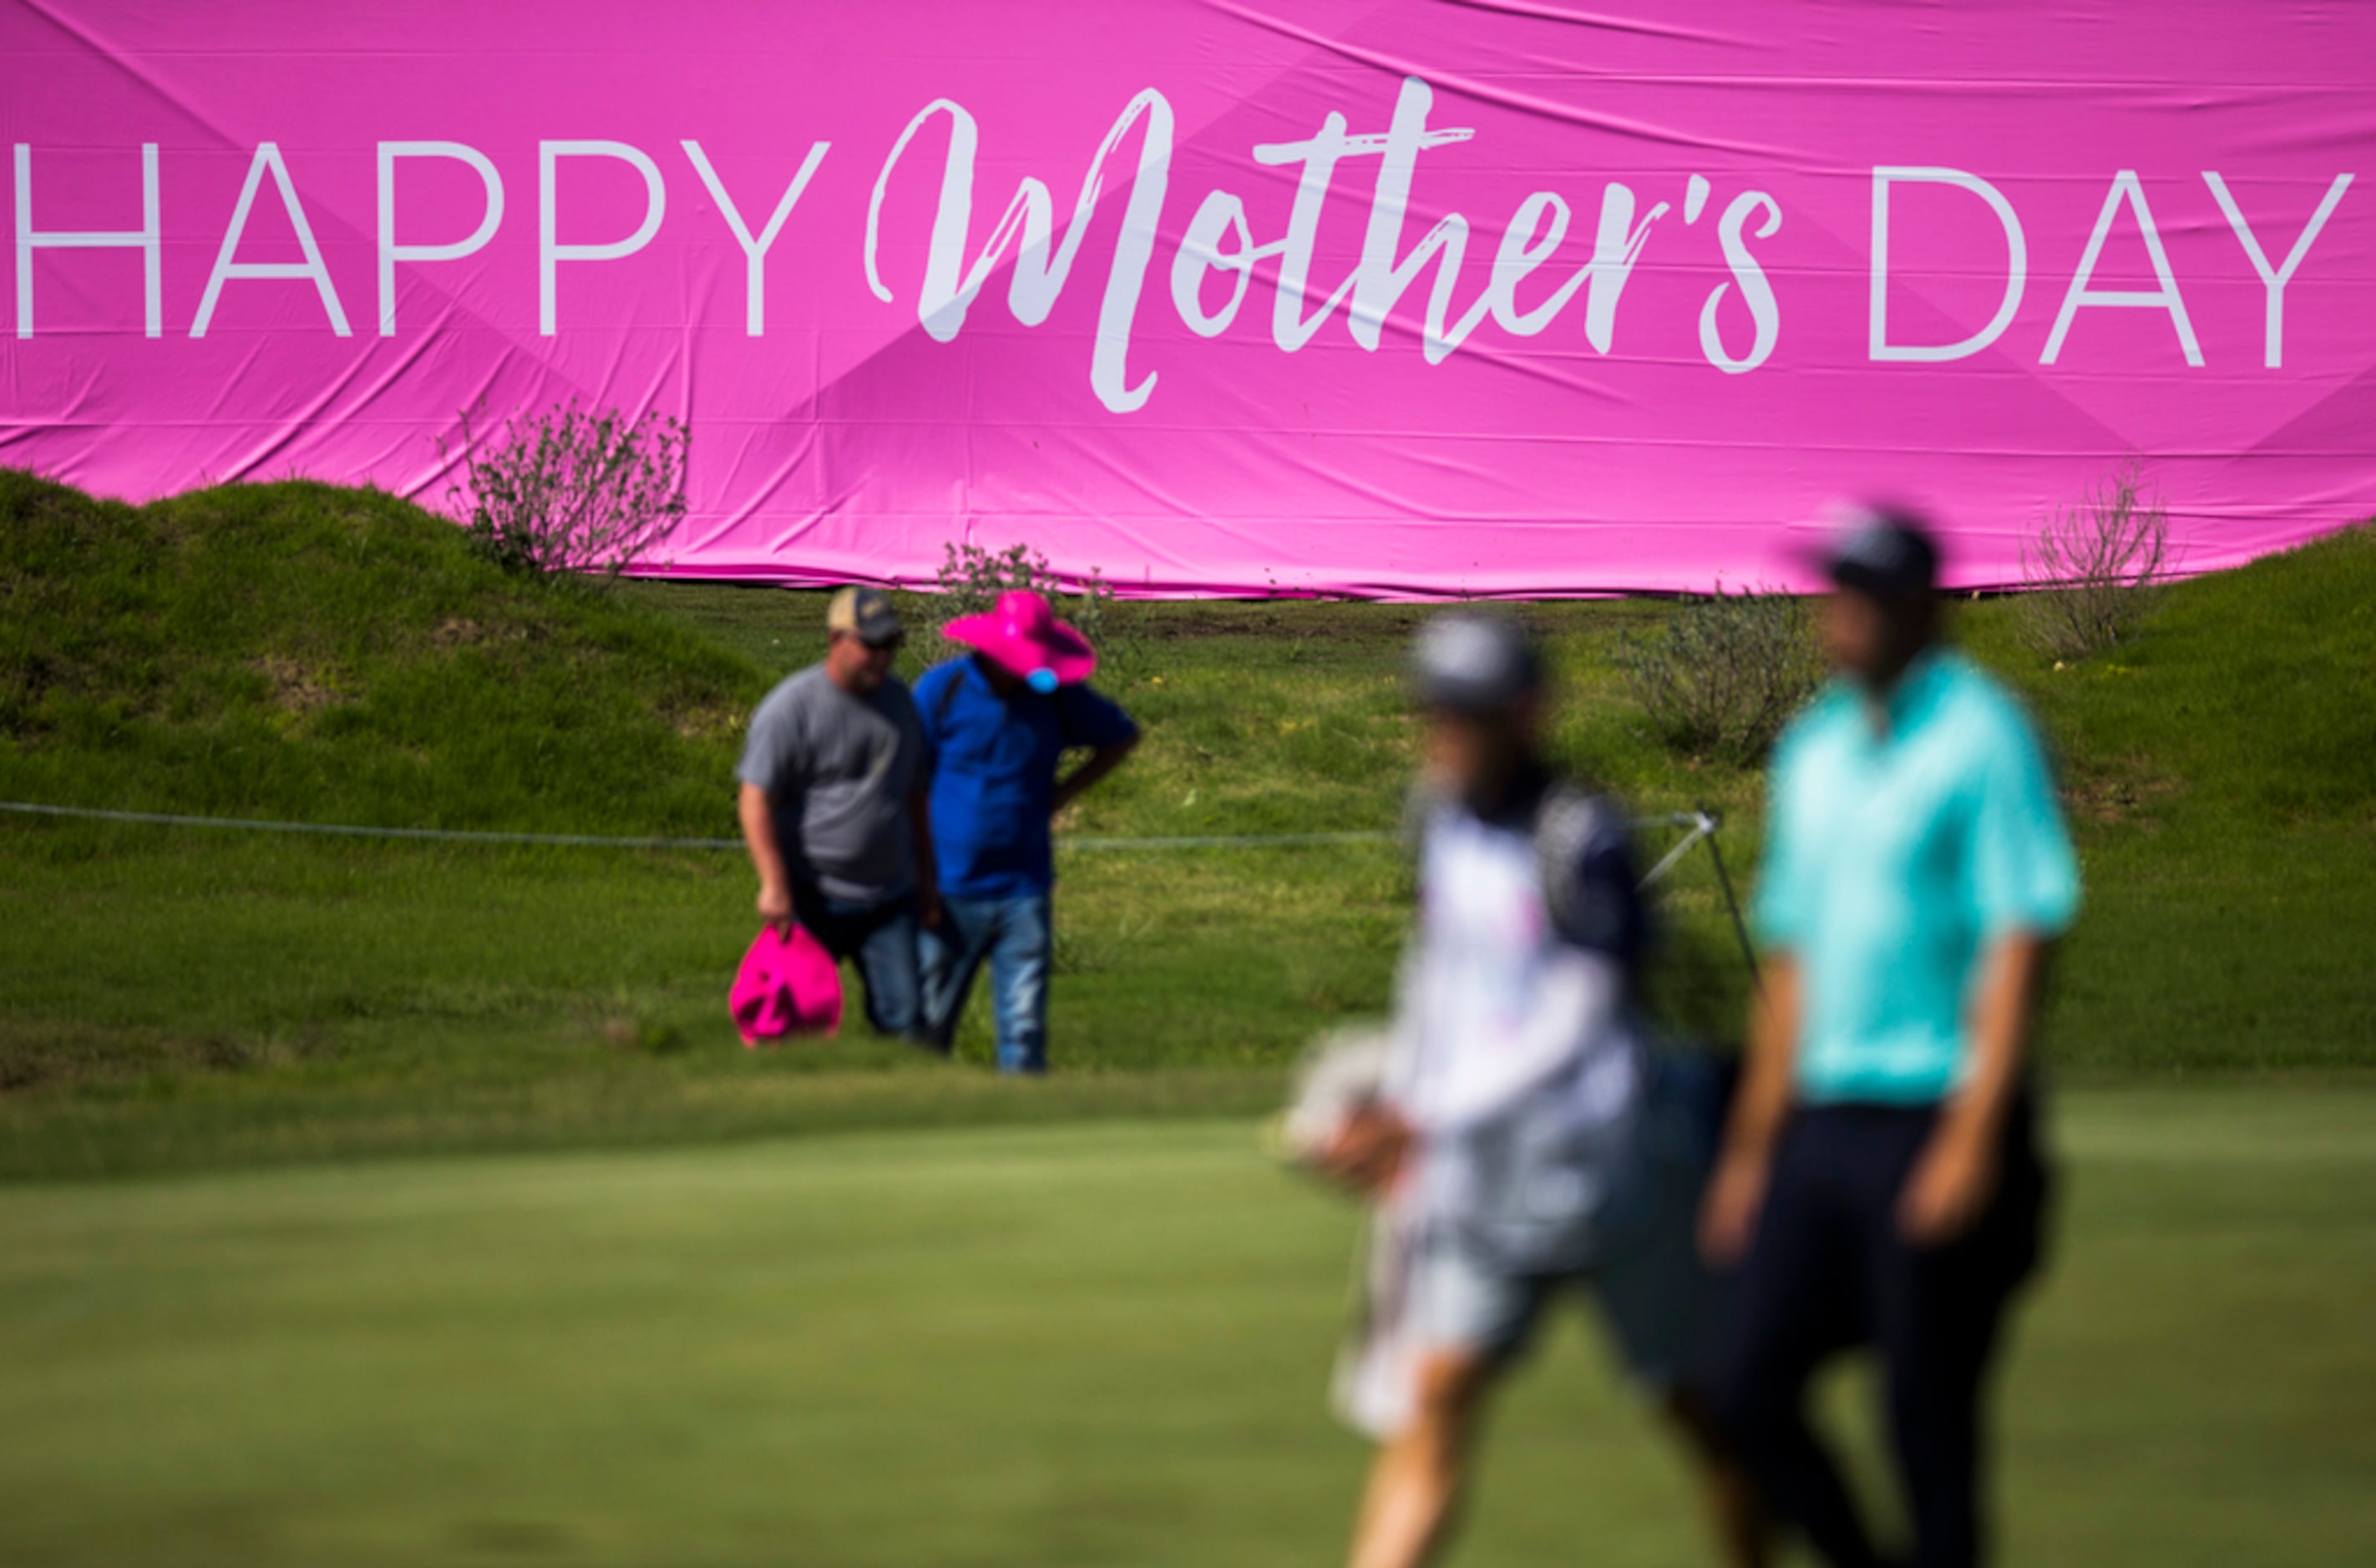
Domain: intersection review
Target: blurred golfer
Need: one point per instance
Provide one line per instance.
(1881, 1178)
(833, 808)
(1524, 1139)
(999, 722)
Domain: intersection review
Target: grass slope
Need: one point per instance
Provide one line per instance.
(300, 651)
(174, 997)
(1085, 1345)
(2223, 773)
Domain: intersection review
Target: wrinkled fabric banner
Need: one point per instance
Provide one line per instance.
(1402, 298)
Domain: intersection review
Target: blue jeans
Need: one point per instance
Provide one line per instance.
(881, 938)
(1015, 935)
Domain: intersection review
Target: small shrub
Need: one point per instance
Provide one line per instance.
(970, 579)
(1724, 673)
(573, 490)
(2095, 569)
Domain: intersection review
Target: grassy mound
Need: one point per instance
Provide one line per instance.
(329, 655)
(2247, 706)
(306, 651)
(2222, 775)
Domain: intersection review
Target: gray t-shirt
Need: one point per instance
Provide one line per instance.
(838, 770)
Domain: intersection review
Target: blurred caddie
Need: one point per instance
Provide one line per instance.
(833, 809)
(1517, 1129)
(1881, 1182)
(999, 721)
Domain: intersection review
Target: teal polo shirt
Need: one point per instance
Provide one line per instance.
(1893, 859)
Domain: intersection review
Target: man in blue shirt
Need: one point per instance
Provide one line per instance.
(1880, 1182)
(998, 723)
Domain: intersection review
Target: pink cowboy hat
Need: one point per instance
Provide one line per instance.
(1023, 636)
(789, 985)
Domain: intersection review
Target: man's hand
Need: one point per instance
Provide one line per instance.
(1369, 1151)
(928, 908)
(1951, 1184)
(1955, 1177)
(757, 814)
(1729, 1214)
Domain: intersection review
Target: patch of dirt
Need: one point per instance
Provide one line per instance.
(1354, 623)
(706, 721)
(2127, 797)
(45, 1054)
(461, 631)
(296, 690)
(1292, 621)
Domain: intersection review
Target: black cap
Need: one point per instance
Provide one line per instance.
(1882, 551)
(1476, 661)
(865, 613)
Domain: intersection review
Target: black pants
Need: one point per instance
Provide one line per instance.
(1827, 1272)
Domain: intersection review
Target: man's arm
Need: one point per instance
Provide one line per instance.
(1367, 1151)
(2026, 886)
(1737, 1191)
(1371, 1144)
(1957, 1173)
(1579, 997)
(928, 873)
(1102, 761)
(767, 857)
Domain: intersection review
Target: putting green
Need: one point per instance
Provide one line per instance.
(1102, 1343)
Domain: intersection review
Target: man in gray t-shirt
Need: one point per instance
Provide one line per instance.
(834, 776)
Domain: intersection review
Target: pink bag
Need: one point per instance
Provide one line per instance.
(789, 985)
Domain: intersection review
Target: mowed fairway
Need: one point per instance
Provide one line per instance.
(1100, 1342)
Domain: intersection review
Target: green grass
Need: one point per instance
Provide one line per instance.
(174, 998)
(303, 650)
(638, 1296)
(2224, 774)
(1094, 1344)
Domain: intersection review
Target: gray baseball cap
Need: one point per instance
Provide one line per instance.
(1883, 550)
(1474, 661)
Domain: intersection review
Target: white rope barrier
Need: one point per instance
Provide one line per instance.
(602, 841)
(1700, 823)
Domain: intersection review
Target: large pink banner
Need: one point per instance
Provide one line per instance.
(1497, 296)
